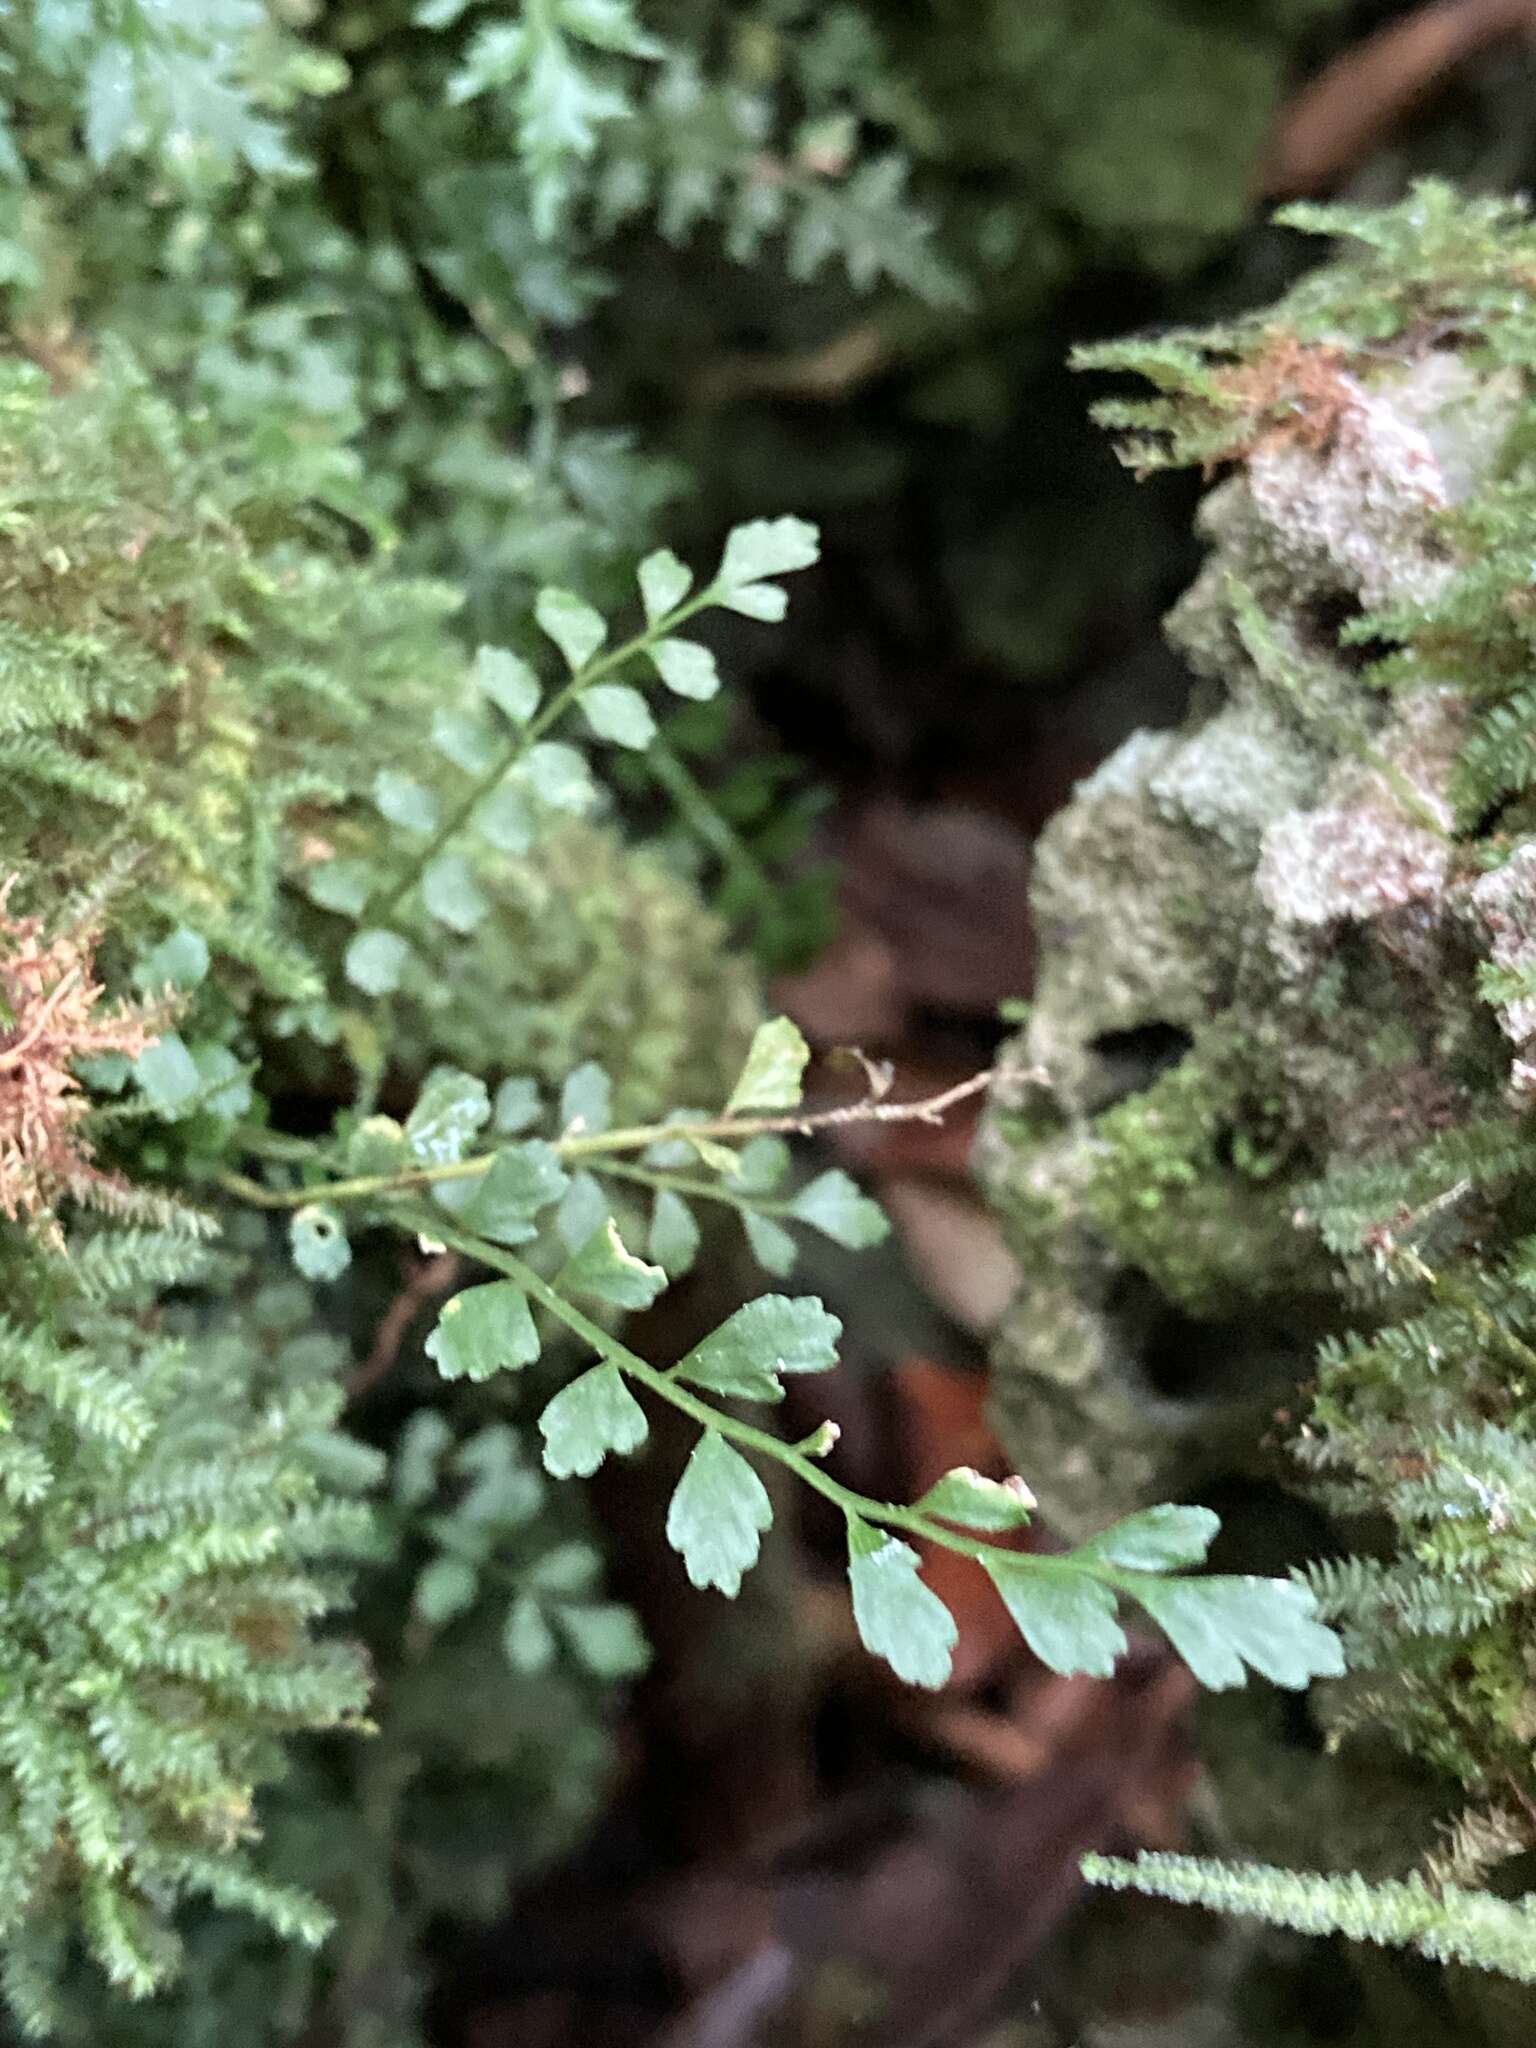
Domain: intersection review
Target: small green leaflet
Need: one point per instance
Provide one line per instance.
(508, 681)
(971, 1501)
(1066, 1616)
(606, 1638)
(179, 961)
(376, 961)
(674, 1152)
(107, 1072)
(517, 1104)
(673, 1241)
(761, 1164)
(351, 1466)
(527, 1640)
(341, 885)
(466, 739)
(775, 1334)
(505, 821)
(841, 220)
(1156, 1540)
(575, 628)
(608, 25)
(718, 1158)
(111, 99)
(521, 1180)
(594, 1415)
(664, 583)
(584, 1207)
(605, 1271)
(495, 55)
(506, 1492)
(567, 1570)
(450, 1109)
(452, 895)
(482, 1330)
(456, 1197)
(559, 777)
(775, 1062)
(718, 1515)
(835, 1205)
(616, 712)
(562, 110)
(216, 1064)
(562, 103)
(765, 601)
(319, 1244)
(404, 801)
(168, 1075)
(422, 1443)
(771, 1245)
(1218, 1625)
(767, 547)
(466, 1535)
(376, 1145)
(686, 668)
(445, 1589)
(898, 1617)
(586, 1099)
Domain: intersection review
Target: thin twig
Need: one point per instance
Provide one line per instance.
(431, 1278)
(636, 1138)
(799, 1123)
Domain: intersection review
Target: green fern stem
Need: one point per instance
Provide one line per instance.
(697, 1190)
(541, 723)
(856, 1507)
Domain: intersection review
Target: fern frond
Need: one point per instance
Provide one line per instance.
(1450, 1925)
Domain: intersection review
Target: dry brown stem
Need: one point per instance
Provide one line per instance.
(1337, 118)
(53, 1017)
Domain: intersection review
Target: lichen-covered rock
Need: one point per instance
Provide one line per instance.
(1264, 1153)
(1247, 932)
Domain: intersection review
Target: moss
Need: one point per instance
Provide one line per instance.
(591, 950)
(1187, 1185)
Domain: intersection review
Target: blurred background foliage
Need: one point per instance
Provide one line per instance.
(528, 286)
